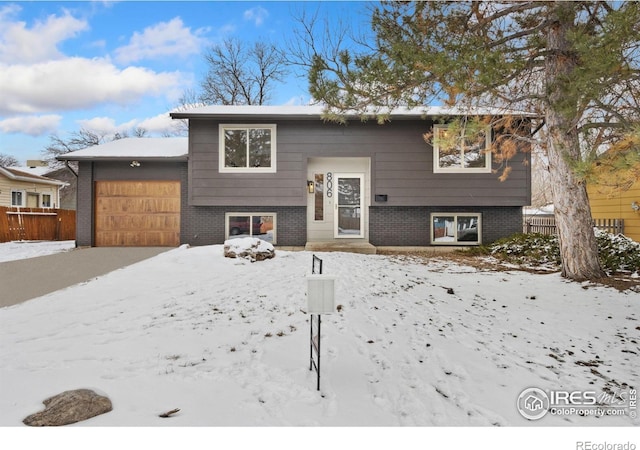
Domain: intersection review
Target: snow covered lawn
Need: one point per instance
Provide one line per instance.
(14, 250)
(416, 343)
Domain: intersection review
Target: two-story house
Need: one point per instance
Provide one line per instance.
(284, 174)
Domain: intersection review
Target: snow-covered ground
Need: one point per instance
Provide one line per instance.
(11, 251)
(416, 343)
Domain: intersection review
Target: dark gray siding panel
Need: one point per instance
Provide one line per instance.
(148, 170)
(401, 162)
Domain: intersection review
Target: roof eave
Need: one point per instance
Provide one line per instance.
(41, 180)
(123, 158)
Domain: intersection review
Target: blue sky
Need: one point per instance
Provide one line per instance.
(112, 66)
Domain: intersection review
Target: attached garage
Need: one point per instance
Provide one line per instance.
(137, 213)
(131, 192)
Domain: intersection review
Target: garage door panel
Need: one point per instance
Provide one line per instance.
(123, 205)
(138, 222)
(137, 239)
(137, 213)
(137, 189)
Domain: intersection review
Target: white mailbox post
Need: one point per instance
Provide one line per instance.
(321, 293)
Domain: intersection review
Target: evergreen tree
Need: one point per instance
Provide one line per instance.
(574, 64)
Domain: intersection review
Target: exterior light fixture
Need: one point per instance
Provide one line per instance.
(135, 163)
(310, 186)
(635, 206)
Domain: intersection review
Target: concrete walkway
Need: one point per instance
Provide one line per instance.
(25, 279)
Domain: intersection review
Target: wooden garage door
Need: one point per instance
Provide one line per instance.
(137, 213)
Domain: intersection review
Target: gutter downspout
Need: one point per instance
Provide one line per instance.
(66, 163)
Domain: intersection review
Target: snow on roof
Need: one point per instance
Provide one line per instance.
(42, 170)
(19, 175)
(139, 148)
(317, 111)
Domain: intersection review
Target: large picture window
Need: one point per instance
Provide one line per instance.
(461, 153)
(242, 224)
(247, 148)
(456, 229)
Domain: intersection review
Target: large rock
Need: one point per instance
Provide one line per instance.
(253, 249)
(69, 407)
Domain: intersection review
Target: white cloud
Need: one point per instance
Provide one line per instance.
(257, 15)
(79, 83)
(106, 125)
(163, 40)
(21, 44)
(157, 125)
(31, 125)
(162, 123)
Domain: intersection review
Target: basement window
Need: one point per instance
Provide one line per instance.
(456, 229)
(242, 224)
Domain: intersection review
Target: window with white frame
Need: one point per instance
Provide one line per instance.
(455, 151)
(46, 200)
(18, 198)
(244, 224)
(456, 229)
(247, 148)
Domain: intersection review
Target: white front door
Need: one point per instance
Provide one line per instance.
(348, 215)
(324, 200)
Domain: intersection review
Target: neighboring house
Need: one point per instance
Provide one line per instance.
(19, 188)
(284, 174)
(67, 192)
(607, 203)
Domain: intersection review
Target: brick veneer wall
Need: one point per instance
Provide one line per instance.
(204, 225)
(84, 205)
(410, 226)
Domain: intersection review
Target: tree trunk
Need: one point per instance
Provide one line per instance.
(578, 247)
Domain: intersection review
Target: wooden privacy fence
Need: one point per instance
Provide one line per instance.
(37, 224)
(547, 225)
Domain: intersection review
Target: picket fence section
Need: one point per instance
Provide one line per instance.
(37, 224)
(547, 225)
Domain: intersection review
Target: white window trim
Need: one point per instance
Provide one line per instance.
(251, 213)
(24, 197)
(228, 126)
(456, 215)
(436, 156)
(50, 200)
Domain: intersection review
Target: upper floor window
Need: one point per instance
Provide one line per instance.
(247, 148)
(460, 152)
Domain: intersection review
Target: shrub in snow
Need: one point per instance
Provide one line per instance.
(528, 249)
(253, 249)
(617, 253)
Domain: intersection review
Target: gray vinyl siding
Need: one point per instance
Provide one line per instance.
(401, 167)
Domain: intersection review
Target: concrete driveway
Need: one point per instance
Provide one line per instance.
(25, 279)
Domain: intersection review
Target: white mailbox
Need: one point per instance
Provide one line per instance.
(321, 292)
